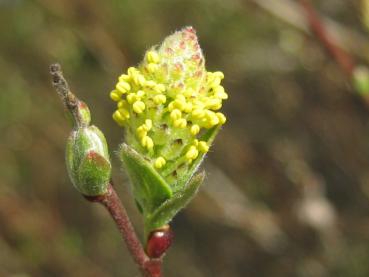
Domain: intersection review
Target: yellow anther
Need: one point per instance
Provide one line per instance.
(171, 106)
(189, 93)
(153, 57)
(159, 162)
(198, 104)
(118, 118)
(195, 129)
(203, 146)
(138, 106)
(212, 119)
(192, 153)
(220, 93)
(188, 108)
(139, 79)
(214, 104)
(123, 86)
(124, 113)
(181, 98)
(132, 71)
(196, 142)
(142, 128)
(179, 104)
(150, 84)
(209, 75)
(180, 123)
(115, 96)
(198, 113)
(148, 124)
(159, 88)
(219, 74)
(218, 89)
(160, 99)
(132, 97)
(140, 94)
(135, 77)
(175, 114)
(123, 104)
(152, 67)
(124, 77)
(215, 82)
(222, 118)
(147, 142)
(141, 131)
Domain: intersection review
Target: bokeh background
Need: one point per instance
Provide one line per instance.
(288, 178)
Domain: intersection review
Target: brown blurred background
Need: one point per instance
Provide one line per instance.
(288, 178)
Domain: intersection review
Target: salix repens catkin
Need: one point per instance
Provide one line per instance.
(169, 106)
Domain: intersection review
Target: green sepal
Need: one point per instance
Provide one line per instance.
(93, 174)
(165, 213)
(149, 188)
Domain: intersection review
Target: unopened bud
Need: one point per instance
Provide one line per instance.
(88, 162)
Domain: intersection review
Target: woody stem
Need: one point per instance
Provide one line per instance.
(111, 201)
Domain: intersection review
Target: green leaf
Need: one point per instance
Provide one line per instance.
(172, 206)
(149, 188)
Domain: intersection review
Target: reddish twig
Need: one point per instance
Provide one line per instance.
(149, 267)
(344, 60)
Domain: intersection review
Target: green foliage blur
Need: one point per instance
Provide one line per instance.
(288, 184)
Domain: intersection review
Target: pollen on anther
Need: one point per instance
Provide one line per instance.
(147, 142)
(175, 114)
(123, 86)
(160, 99)
(159, 162)
(153, 57)
(192, 153)
(138, 106)
(203, 146)
(118, 118)
(114, 95)
(180, 123)
(195, 129)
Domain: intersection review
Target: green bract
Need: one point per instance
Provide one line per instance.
(169, 106)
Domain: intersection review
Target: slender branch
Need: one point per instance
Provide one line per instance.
(70, 101)
(113, 204)
(111, 201)
(344, 60)
(150, 267)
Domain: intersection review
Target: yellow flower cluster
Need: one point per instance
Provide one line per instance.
(145, 102)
